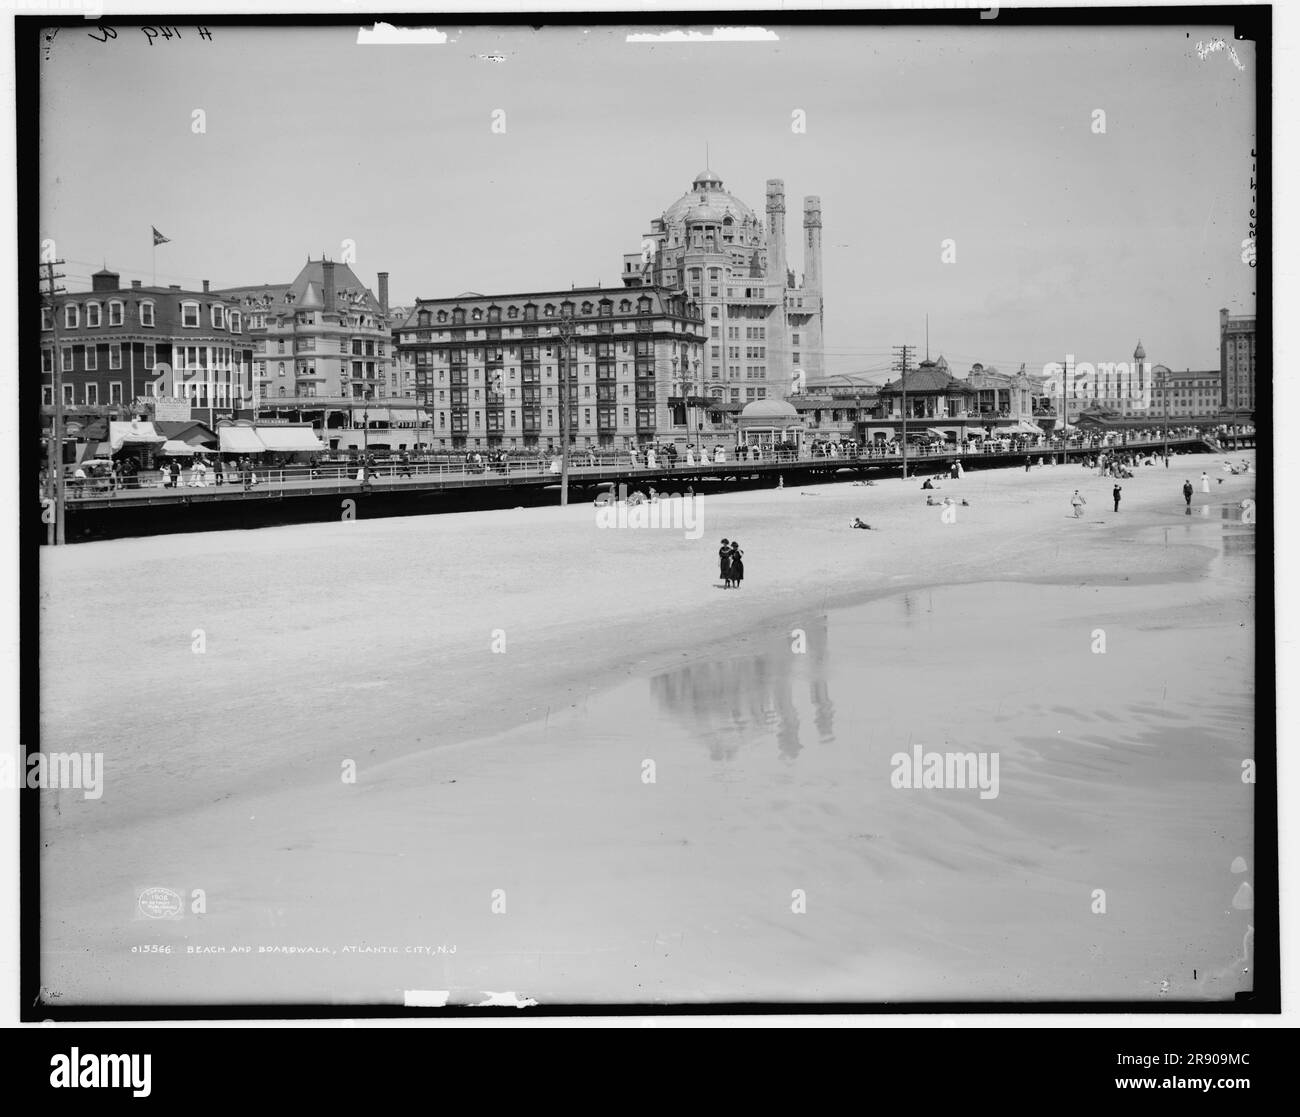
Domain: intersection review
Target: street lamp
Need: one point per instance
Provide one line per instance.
(365, 441)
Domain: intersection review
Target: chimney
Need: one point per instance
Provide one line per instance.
(327, 295)
(205, 286)
(383, 292)
(173, 286)
(135, 285)
(812, 244)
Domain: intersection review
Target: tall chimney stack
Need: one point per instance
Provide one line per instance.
(327, 295)
(205, 286)
(788, 380)
(812, 243)
(383, 292)
(776, 266)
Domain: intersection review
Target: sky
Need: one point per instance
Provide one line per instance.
(1066, 240)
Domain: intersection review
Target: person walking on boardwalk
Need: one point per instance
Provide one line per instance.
(218, 470)
(1077, 502)
(736, 569)
(175, 470)
(406, 464)
(1187, 496)
(724, 564)
(1115, 496)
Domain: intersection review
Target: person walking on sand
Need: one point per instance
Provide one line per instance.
(724, 564)
(1115, 496)
(736, 568)
(1187, 496)
(1205, 482)
(1077, 502)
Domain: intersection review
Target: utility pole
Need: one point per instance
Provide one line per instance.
(902, 365)
(55, 534)
(566, 334)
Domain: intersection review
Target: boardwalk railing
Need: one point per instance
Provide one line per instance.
(342, 476)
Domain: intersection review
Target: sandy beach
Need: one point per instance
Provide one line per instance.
(499, 681)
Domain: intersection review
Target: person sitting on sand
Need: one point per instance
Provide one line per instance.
(929, 500)
(928, 484)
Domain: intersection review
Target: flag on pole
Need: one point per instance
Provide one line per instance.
(158, 238)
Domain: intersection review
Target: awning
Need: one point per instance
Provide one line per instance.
(1026, 427)
(240, 440)
(139, 433)
(175, 448)
(373, 415)
(290, 439)
(937, 432)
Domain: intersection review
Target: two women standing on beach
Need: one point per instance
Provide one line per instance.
(731, 564)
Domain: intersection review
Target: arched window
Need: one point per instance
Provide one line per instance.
(548, 311)
(566, 307)
(512, 313)
(478, 314)
(458, 316)
(625, 306)
(586, 308)
(494, 314)
(643, 305)
(442, 316)
(92, 315)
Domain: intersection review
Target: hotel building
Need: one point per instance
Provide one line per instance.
(487, 368)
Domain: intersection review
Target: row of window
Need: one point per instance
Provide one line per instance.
(191, 315)
(528, 311)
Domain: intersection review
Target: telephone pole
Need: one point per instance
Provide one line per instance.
(902, 365)
(55, 534)
(566, 335)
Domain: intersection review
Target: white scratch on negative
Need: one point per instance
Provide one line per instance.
(717, 35)
(505, 1000)
(426, 998)
(385, 35)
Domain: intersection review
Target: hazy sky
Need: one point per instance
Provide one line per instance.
(1067, 241)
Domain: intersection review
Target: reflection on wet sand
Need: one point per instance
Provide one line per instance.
(724, 701)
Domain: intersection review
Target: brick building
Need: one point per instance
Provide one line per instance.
(1237, 361)
(119, 344)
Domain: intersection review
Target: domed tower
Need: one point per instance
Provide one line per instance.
(1138, 380)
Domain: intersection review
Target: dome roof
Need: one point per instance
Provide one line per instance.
(770, 409)
(707, 201)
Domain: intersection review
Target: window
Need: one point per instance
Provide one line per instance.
(71, 316)
(150, 352)
(67, 395)
(65, 357)
(92, 315)
(217, 314)
(47, 395)
(115, 355)
(235, 321)
(281, 368)
(92, 358)
(146, 313)
(92, 394)
(190, 318)
(115, 314)
(47, 360)
(47, 318)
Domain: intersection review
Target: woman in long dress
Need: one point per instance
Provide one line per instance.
(724, 564)
(736, 571)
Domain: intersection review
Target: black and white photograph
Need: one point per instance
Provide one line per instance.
(607, 512)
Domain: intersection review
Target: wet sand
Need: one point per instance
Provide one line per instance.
(517, 778)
